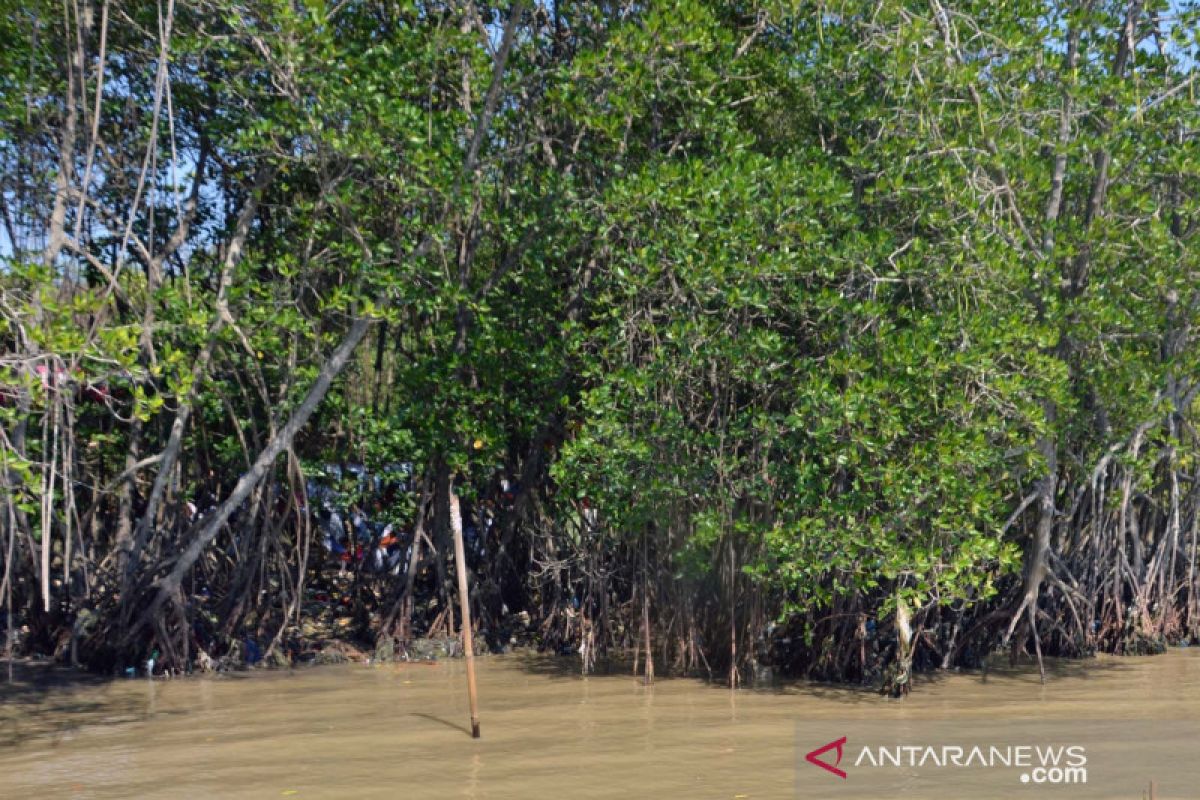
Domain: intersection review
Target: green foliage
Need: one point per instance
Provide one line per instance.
(781, 291)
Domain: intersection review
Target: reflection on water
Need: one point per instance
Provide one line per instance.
(400, 730)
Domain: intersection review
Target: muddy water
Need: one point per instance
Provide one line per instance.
(398, 731)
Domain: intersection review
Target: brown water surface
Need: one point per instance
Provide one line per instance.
(399, 731)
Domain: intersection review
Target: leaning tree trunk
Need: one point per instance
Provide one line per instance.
(169, 587)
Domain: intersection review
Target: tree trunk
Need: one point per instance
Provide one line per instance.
(282, 440)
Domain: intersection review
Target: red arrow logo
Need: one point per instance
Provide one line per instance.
(812, 757)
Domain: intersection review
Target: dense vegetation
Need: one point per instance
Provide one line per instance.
(842, 336)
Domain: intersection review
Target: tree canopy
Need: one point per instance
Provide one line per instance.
(842, 336)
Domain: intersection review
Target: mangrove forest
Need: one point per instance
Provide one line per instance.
(840, 339)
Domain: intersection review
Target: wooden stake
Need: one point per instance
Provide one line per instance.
(464, 600)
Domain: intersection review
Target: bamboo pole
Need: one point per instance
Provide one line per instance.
(464, 600)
